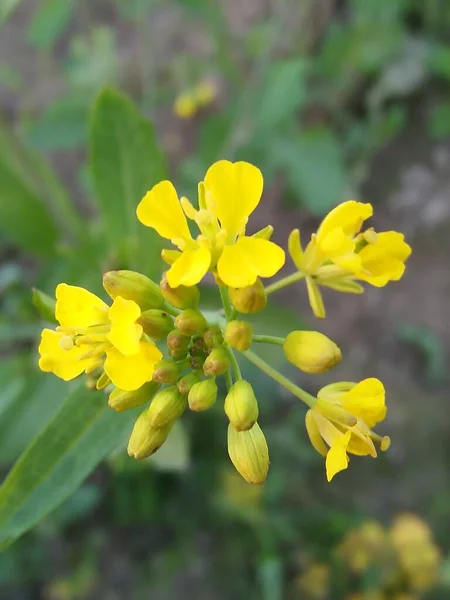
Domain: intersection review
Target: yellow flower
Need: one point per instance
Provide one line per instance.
(188, 103)
(185, 105)
(227, 197)
(340, 422)
(92, 335)
(339, 254)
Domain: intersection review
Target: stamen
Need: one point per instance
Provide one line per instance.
(95, 352)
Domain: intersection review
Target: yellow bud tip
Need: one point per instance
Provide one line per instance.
(385, 443)
(66, 342)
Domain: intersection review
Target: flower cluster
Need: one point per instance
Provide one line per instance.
(154, 344)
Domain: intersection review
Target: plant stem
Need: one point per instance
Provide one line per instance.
(228, 380)
(268, 339)
(282, 283)
(279, 378)
(227, 306)
(234, 362)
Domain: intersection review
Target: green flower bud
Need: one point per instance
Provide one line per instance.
(311, 351)
(145, 439)
(198, 347)
(239, 334)
(250, 299)
(241, 406)
(249, 453)
(213, 336)
(181, 296)
(185, 383)
(217, 363)
(156, 323)
(166, 407)
(178, 344)
(45, 305)
(197, 363)
(166, 371)
(202, 395)
(190, 322)
(133, 286)
(121, 400)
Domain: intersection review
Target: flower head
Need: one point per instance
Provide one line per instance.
(340, 423)
(227, 197)
(340, 253)
(92, 335)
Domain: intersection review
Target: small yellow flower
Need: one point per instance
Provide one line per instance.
(339, 254)
(189, 102)
(92, 335)
(340, 423)
(227, 197)
(185, 105)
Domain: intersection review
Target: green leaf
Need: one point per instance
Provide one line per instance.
(126, 162)
(45, 305)
(79, 436)
(62, 127)
(314, 168)
(6, 8)
(439, 121)
(439, 61)
(23, 217)
(49, 22)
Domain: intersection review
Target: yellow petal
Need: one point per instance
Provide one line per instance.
(296, 251)
(366, 400)
(129, 373)
(233, 191)
(242, 263)
(63, 363)
(314, 435)
(189, 268)
(337, 459)
(347, 286)
(383, 261)
(161, 210)
(125, 332)
(360, 442)
(348, 216)
(170, 256)
(77, 307)
(315, 298)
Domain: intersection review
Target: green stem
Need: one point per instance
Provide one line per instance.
(279, 378)
(234, 362)
(228, 380)
(227, 306)
(268, 339)
(170, 309)
(282, 283)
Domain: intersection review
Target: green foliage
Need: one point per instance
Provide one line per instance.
(49, 23)
(439, 121)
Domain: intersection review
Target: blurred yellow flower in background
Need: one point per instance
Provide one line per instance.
(189, 102)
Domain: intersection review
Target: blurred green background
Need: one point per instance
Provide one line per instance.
(332, 99)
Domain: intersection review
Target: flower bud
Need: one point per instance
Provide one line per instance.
(186, 382)
(121, 400)
(178, 344)
(217, 363)
(145, 439)
(166, 407)
(238, 334)
(190, 322)
(213, 336)
(202, 395)
(241, 406)
(156, 323)
(133, 286)
(166, 371)
(311, 351)
(198, 347)
(249, 299)
(249, 453)
(181, 296)
(45, 305)
(197, 362)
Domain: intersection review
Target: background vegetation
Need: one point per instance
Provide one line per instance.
(331, 99)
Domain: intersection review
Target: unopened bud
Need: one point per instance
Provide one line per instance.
(166, 371)
(311, 351)
(156, 323)
(121, 400)
(198, 347)
(202, 395)
(213, 336)
(186, 382)
(181, 296)
(217, 363)
(241, 406)
(166, 407)
(178, 344)
(133, 286)
(145, 439)
(197, 362)
(249, 453)
(249, 299)
(190, 322)
(239, 334)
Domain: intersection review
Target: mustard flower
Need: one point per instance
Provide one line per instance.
(340, 422)
(228, 195)
(340, 253)
(92, 335)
